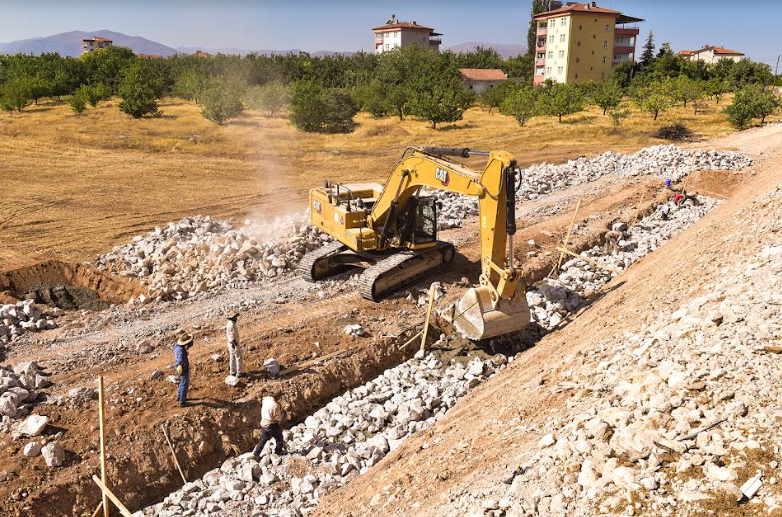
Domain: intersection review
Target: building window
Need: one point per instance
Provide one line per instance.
(548, 69)
(605, 44)
(602, 75)
(387, 46)
(561, 53)
(608, 29)
(561, 37)
(605, 60)
(551, 39)
(578, 60)
(560, 70)
(551, 54)
(563, 22)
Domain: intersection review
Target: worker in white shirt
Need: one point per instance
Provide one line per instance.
(234, 348)
(271, 420)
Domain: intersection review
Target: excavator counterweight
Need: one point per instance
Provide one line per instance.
(390, 231)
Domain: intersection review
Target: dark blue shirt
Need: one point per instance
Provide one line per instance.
(180, 358)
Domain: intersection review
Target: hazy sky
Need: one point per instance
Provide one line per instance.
(751, 27)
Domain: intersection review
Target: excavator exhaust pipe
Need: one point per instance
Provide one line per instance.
(476, 317)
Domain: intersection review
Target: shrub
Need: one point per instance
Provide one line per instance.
(751, 102)
(618, 114)
(675, 132)
(95, 94)
(78, 101)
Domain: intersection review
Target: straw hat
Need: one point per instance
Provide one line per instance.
(185, 339)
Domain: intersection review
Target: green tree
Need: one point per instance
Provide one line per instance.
(607, 95)
(372, 97)
(716, 87)
(96, 93)
(16, 92)
(220, 102)
(271, 97)
(494, 96)
(522, 104)
(743, 109)
(562, 99)
(442, 99)
(188, 85)
(325, 110)
(40, 87)
(648, 54)
(656, 97)
(686, 90)
(138, 98)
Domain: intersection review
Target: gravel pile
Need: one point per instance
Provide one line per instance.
(18, 392)
(24, 316)
(551, 302)
(666, 161)
(199, 254)
(672, 417)
(335, 444)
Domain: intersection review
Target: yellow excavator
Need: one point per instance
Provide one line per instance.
(391, 233)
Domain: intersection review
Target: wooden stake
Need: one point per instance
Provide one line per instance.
(106, 492)
(97, 510)
(102, 417)
(638, 210)
(587, 259)
(428, 314)
(176, 462)
(566, 241)
(417, 335)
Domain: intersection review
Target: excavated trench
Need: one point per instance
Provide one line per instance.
(67, 286)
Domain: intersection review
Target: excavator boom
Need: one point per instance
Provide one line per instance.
(391, 231)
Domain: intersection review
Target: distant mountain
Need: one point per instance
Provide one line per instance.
(505, 50)
(244, 51)
(69, 44)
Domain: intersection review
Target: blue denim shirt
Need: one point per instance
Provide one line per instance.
(180, 357)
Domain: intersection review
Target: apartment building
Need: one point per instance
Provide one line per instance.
(96, 42)
(581, 42)
(711, 54)
(397, 33)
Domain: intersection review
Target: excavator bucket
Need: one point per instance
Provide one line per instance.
(476, 318)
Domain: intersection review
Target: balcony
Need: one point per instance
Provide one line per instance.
(542, 32)
(624, 49)
(625, 31)
(435, 41)
(540, 62)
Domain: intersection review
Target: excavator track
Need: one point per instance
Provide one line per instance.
(314, 265)
(401, 269)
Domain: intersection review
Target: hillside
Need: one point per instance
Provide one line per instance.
(69, 44)
(660, 399)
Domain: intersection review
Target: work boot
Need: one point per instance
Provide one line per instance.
(185, 404)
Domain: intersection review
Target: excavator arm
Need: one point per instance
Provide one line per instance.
(499, 304)
(494, 188)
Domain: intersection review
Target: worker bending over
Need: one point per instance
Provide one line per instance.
(182, 365)
(234, 348)
(271, 420)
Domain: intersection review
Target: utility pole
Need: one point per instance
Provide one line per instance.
(776, 69)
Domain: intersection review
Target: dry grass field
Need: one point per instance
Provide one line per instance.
(73, 185)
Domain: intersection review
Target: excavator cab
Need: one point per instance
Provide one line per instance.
(418, 223)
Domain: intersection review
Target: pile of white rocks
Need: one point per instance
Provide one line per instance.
(678, 416)
(18, 391)
(199, 254)
(342, 440)
(665, 161)
(21, 317)
(558, 297)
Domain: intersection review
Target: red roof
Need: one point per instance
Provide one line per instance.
(717, 50)
(402, 25)
(98, 38)
(686, 52)
(483, 74)
(578, 8)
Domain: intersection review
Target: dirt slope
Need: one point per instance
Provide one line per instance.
(475, 446)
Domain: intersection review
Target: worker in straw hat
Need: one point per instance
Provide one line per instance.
(234, 348)
(182, 365)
